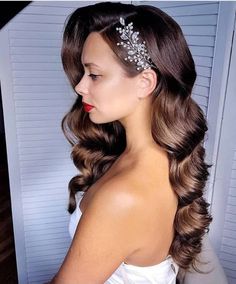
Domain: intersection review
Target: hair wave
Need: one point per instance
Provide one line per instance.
(178, 123)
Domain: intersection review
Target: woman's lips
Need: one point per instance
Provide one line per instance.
(87, 107)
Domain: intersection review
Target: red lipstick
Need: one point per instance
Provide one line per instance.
(87, 107)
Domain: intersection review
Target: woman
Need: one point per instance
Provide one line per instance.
(137, 138)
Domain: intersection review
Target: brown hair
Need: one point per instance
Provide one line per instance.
(178, 123)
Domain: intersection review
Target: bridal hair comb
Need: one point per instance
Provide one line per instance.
(137, 52)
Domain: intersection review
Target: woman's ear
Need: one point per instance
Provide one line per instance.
(147, 82)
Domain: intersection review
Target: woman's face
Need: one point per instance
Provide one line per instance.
(109, 94)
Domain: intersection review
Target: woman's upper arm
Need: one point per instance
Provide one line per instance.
(104, 237)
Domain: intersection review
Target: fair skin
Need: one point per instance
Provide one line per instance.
(128, 213)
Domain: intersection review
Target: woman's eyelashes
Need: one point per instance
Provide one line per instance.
(94, 77)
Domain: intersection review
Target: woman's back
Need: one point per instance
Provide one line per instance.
(161, 273)
(146, 176)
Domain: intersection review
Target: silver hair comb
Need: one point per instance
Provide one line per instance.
(137, 52)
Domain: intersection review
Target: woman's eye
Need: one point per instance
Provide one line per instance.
(93, 76)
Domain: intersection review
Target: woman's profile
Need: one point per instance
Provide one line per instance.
(138, 214)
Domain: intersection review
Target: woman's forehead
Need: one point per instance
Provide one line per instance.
(96, 52)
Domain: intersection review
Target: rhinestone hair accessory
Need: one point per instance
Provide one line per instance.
(137, 52)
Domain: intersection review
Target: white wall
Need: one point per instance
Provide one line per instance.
(35, 97)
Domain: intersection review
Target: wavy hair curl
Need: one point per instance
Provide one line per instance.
(178, 123)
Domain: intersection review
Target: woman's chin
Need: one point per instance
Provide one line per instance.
(99, 120)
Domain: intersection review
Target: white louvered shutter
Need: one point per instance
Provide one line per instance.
(36, 95)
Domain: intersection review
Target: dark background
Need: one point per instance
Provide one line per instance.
(8, 9)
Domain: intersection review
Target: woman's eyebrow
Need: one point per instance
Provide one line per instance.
(91, 64)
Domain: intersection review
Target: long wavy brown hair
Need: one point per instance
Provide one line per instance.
(178, 123)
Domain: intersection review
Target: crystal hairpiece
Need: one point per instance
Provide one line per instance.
(137, 52)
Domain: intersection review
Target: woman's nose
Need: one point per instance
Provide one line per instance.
(77, 89)
(81, 88)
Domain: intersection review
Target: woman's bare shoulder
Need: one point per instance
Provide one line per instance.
(108, 228)
(140, 184)
(121, 186)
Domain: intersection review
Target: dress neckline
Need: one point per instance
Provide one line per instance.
(78, 200)
(160, 264)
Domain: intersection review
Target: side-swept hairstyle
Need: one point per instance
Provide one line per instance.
(178, 123)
